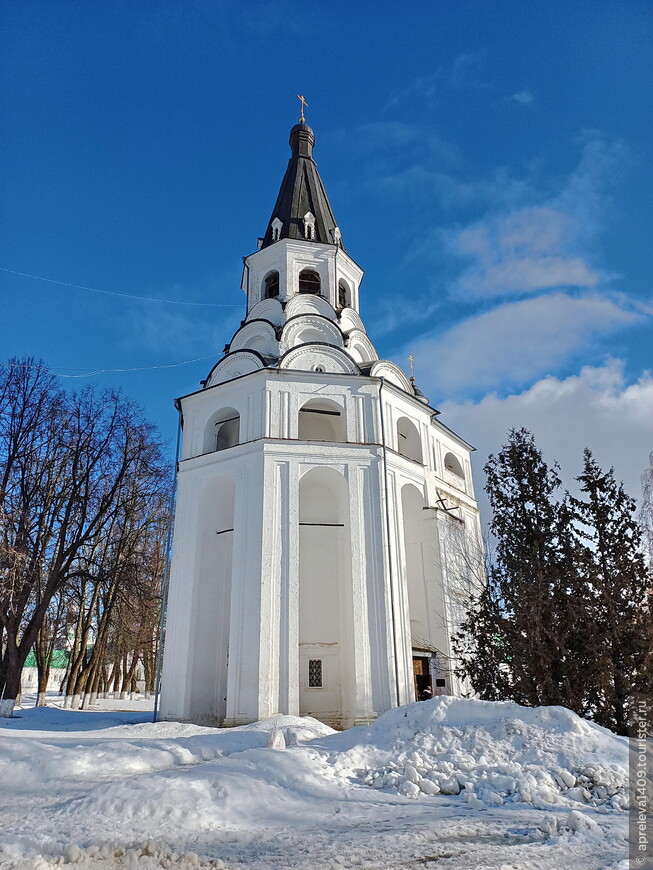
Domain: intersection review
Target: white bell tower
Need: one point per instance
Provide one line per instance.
(325, 517)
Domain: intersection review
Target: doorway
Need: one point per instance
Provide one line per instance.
(421, 674)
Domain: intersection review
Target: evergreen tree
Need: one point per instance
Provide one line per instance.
(521, 640)
(518, 641)
(621, 594)
(566, 615)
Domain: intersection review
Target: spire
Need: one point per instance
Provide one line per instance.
(302, 210)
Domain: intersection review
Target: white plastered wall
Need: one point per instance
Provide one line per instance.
(290, 257)
(265, 669)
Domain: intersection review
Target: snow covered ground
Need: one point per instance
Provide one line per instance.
(446, 783)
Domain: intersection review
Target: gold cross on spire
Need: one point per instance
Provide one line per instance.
(412, 371)
(303, 102)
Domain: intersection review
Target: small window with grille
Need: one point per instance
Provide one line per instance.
(315, 673)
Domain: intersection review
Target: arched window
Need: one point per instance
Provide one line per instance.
(343, 295)
(222, 431)
(309, 281)
(272, 285)
(453, 471)
(321, 420)
(408, 442)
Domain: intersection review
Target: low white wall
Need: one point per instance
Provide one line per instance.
(29, 680)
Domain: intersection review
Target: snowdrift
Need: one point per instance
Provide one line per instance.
(491, 752)
(140, 748)
(488, 753)
(178, 795)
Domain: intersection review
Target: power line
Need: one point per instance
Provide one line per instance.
(122, 295)
(91, 373)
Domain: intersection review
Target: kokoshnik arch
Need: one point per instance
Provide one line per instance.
(326, 525)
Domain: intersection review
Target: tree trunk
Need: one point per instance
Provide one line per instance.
(43, 659)
(130, 677)
(11, 690)
(11, 671)
(125, 678)
(7, 708)
(117, 673)
(147, 673)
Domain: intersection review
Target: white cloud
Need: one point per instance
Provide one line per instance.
(464, 73)
(583, 197)
(537, 240)
(399, 311)
(515, 342)
(596, 408)
(532, 235)
(525, 98)
(535, 273)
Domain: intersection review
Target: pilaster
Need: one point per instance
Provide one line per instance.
(359, 512)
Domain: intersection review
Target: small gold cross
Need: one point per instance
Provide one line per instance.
(412, 371)
(303, 102)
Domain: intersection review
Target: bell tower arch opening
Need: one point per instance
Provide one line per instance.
(321, 420)
(222, 430)
(453, 471)
(309, 282)
(344, 294)
(271, 285)
(408, 440)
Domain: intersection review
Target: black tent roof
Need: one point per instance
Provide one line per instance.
(302, 191)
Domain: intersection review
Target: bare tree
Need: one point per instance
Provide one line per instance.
(72, 466)
(120, 592)
(48, 638)
(460, 558)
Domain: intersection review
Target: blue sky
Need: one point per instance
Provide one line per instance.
(489, 164)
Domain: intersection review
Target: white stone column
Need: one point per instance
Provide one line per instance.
(377, 569)
(266, 414)
(332, 281)
(273, 650)
(285, 278)
(290, 524)
(359, 513)
(283, 415)
(356, 420)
